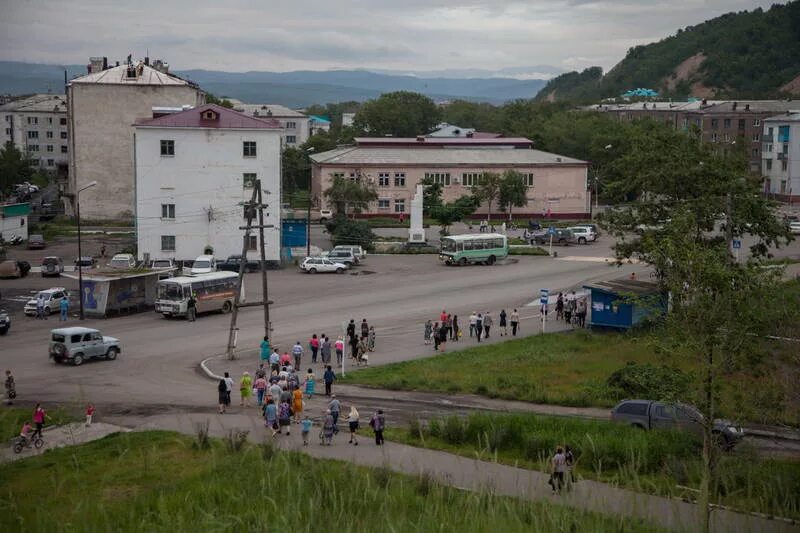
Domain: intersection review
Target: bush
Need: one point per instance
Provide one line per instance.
(649, 381)
(346, 231)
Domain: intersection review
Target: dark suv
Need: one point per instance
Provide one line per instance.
(231, 264)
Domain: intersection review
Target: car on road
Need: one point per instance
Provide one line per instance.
(794, 228)
(204, 264)
(52, 266)
(647, 414)
(52, 300)
(325, 215)
(36, 242)
(561, 237)
(85, 262)
(12, 268)
(595, 228)
(76, 345)
(343, 256)
(357, 250)
(5, 322)
(312, 265)
(123, 261)
(233, 262)
(583, 234)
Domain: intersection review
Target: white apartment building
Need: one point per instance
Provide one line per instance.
(295, 124)
(38, 125)
(194, 171)
(781, 156)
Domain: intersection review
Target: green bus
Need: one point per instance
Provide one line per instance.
(473, 248)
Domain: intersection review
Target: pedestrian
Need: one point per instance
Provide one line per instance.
(261, 372)
(558, 465)
(335, 406)
(514, 322)
(339, 347)
(443, 316)
(39, 416)
(297, 404)
(569, 458)
(560, 306)
(352, 422)
(306, 429)
(351, 329)
(297, 353)
(428, 331)
(261, 387)
(228, 388)
(89, 414)
(271, 417)
(284, 416)
(265, 351)
(64, 308)
(448, 325)
(328, 377)
(40, 307)
(191, 307)
(313, 345)
(275, 393)
(488, 321)
(502, 324)
(377, 423)
(328, 427)
(569, 308)
(245, 388)
(442, 337)
(354, 348)
(371, 339)
(11, 388)
(436, 337)
(274, 360)
(103, 251)
(456, 332)
(580, 311)
(222, 393)
(479, 327)
(286, 396)
(473, 320)
(286, 359)
(309, 384)
(364, 328)
(325, 350)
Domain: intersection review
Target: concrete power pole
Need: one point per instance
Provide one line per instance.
(250, 215)
(261, 226)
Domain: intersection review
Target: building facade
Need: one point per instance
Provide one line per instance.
(38, 125)
(194, 171)
(557, 185)
(14, 220)
(102, 107)
(781, 150)
(295, 124)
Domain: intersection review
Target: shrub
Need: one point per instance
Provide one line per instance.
(649, 381)
(347, 231)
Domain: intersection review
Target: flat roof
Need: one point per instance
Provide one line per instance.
(118, 76)
(625, 285)
(37, 103)
(200, 277)
(267, 110)
(438, 142)
(476, 157)
(792, 116)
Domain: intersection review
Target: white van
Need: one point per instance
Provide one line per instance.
(204, 265)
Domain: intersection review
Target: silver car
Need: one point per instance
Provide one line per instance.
(76, 345)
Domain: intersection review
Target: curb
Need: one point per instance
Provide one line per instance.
(207, 371)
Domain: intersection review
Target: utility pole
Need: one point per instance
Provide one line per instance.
(249, 214)
(267, 324)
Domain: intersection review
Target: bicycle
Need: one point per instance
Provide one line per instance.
(23, 442)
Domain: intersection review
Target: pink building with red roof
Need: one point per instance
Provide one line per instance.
(194, 170)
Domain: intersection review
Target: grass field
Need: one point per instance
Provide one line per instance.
(12, 419)
(656, 462)
(160, 481)
(572, 369)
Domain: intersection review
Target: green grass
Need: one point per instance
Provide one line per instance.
(12, 418)
(655, 462)
(160, 481)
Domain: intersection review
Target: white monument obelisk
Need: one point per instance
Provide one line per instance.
(416, 233)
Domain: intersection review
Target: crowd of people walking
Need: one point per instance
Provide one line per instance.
(479, 326)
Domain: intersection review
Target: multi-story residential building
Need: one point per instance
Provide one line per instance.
(318, 124)
(38, 125)
(781, 156)
(102, 107)
(194, 170)
(556, 184)
(295, 124)
(348, 119)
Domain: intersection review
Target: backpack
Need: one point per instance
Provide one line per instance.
(222, 386)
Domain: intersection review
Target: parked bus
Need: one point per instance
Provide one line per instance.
(473, 248)
(214, 292)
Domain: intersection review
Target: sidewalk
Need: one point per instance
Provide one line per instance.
(60, 436)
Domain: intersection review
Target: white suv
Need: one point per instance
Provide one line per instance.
(52, 301)
(357, 250)
(583, 234)
(312, 265)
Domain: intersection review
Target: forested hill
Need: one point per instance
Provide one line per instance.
(751, 54)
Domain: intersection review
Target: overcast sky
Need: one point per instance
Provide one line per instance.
(281, 35)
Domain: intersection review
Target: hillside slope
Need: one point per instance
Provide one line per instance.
(750, 54)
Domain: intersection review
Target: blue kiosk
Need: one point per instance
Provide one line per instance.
(613, 303)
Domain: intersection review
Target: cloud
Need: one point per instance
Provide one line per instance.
(316, 34)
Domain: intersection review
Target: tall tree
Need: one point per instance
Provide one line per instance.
(450, 213)
(401, 114)
(513, 191)
(431, 195)
(15, 166)
(349, 196)
(487, 190)
(296, 169)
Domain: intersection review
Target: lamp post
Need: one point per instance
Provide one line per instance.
(78, 219)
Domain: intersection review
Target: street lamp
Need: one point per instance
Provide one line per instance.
(78, 219)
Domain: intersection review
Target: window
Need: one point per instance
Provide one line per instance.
(50, 163)
(383, 179)
(399, 179)
(755, 152)
(784, 165)
(528, 179)
(252, 242)
(741, 123)
(291, 139)
(756, 137)
(168, 243)
(352, 176)
(442, 178)
(49, 120)
(168, 211)
(33, 135)
(249, 180)
(727, 123)
(399, 206)
(768, 148)
(756, 122)
(632, 408)
(62, 121)
(8, 131)
(335, 175)
(726, 137)
(783, 134)
(249, 149)
(383, 203)
(783, 186)
(470, 179)
(167, 148)
(33, 147)
(8, 118)
(63, 148)
(49, 147)
(714, 123)
(35, 162)
(63, 134)
(33, 120)
(291, 125)
(49, 134)
(769, 164)
(713, 137)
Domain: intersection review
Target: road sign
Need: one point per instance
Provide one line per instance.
(551, 230)
(544, 296)
(737, 244)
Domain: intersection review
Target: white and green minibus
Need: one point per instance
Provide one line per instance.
(473, 248)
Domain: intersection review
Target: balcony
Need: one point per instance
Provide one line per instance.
(766, 138)
(782, 156)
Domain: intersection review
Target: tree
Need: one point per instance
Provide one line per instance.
(296, 169)
(224, 102)
(348, 195)
(691, 203)
(513, 191)
(450, 213)
(431, 195)
(487, 190)
(15, 166)
(401, 114)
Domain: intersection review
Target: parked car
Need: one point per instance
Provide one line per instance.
(5, 322)
(594, 227)
(357, 250)
(794, 228)
(35, 242)
(583, 234)
(343, 256)
(203, 265)
(123, 261)
(562, 237)
(161, 264)
(647, 414)
(12, 268)
(325, 215)
(85, 262)
(76, 345)
(52, 300)
(52, 266)
(312, 265)
(233, 262)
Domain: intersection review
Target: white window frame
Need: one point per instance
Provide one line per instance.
(442, 178)
(384, 203)
(291, 125)
(165, 246)
(249, 149)
(291, 139)
(399, 179)
(167, 211)
(470, 179)
(167, 147)
(756, 137)
(399, 205)
(383, 179)
(50, 148)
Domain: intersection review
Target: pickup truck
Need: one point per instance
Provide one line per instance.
(231, 264)
(647, 414)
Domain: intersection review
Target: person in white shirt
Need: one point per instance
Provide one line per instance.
(558, 467)
(473, 321)
(229, 386)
